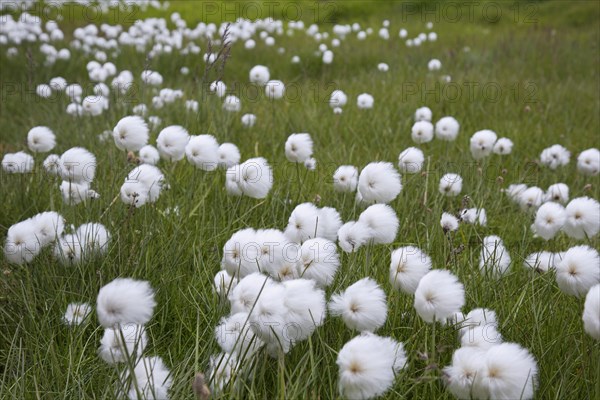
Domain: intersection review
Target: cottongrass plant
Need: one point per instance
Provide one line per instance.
(305, 276)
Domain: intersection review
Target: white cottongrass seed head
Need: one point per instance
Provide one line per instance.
(298, 147)
(422, 132)
(228, 155)
(362, 306)
(345, 179)
(379, 182)
(509, 371)
(558, 192)
(549, 220)
(76, 313)
(365, 101)
(41, 139)
(259, 74)
(125, 301)
(202, 152)
(149, 155)
(450, 185)
(583, 218)
(591, 312)
(447, 128)
(503, 146)
(408, 265)
(171, 142)
(578, 270)
(77, 165)
(319, 261)
(423, 114)
(411, 160)
(353, 235)
(482, 143)
(439, 295)
(555, 156)
(588, 162)
(382, 223)
(131, 133)
(449, 222)
(494, 258)
(368, 365)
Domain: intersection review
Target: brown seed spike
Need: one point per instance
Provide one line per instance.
(199, 386)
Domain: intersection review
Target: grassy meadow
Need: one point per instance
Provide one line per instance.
(533, 76)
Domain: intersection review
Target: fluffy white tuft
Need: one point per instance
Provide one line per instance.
(337, 99)
(588, 162)
(68, 249)
(171, 142)
(555, 156)
(77, 165)
(22, 245)
(482, 143)
(473, 216)
(447, 128)
(152, 380)
(438, 296)
(362, 306)
(549, 219)
(122, 343)
(591, 312)
(93, 237)
(125, 301)
(143, 184)
(352, 235)
(234, 336)
(48, 226)
(578, 270)
(228, 155)
(368, 365)
(508, 372)
(319, 261)
(202, 151)
(559, 193)
(494, 258)
(222, 371)
(131, 133)
(379, 182)
(422, 132)
(423, 114)
(542, 261)
(298, 147)
(308, 222)
(306, 308)
(224, 283)
(411, 160)
(382, 222)
(41, 139)
(149, 155)
(243, 297)
(451, 185)
(51, 164)
(253, 177)
(503, 146)
(345, 178)
(77, 313)
(449, 222)
(530, 198)
(241, 253)
(467, 363)
(583, 218)
(17, 163)
(408, 265)
(260, 75)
